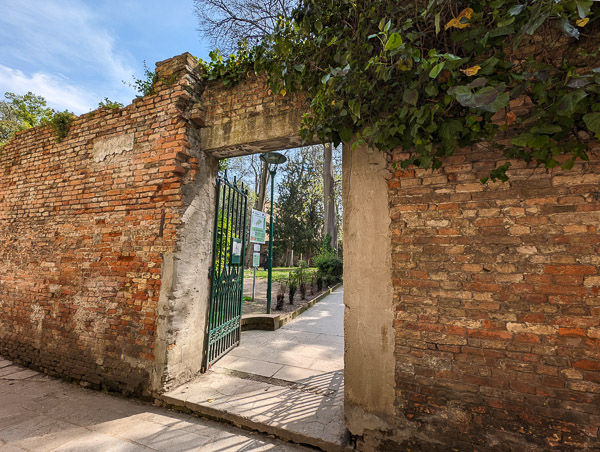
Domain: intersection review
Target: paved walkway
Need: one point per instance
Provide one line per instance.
(303, 350)
(39, 413)
(288, 382)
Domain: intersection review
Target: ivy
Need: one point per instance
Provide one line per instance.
(429, 76)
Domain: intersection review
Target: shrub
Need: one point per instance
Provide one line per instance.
(292, 286)
(330, 266)
(280, 296)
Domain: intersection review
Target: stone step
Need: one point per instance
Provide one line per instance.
(309, 414)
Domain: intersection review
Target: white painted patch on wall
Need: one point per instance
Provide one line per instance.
(118, 144)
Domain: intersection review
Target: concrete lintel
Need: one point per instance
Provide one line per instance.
(256, 134)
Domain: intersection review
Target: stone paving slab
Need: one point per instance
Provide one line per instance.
(39, 413)
(310, 345)
(305, 414)
(288, 382)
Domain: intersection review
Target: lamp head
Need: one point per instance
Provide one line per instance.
(273, 158)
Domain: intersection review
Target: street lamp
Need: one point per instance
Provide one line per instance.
(272, 159)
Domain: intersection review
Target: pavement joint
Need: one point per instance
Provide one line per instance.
(278, 382)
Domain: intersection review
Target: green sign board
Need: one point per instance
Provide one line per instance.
(256, 259)
(258, 226)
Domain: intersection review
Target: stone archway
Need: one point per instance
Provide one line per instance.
(248, 118)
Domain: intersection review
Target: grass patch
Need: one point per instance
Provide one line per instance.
(281, 273)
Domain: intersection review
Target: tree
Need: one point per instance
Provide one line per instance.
(227, 22)
(20, 112)
(329, 203)
(299, 207)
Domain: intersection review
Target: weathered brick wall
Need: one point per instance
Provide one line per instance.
(497, 297)
(249, 98)
(84, 225)
(248, 118)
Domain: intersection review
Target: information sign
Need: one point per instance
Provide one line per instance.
(236, 251)
(258, 226)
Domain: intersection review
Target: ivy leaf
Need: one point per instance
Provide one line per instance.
(538, 142)
(578, 83)
(516, 10)
(535, 23)
(435, 71)
(582, 22)
(462, 20)
(568, 29)
(568, 103)
(485, 96)
(592, 121)
(450, 130)
(479, 82)
(522, 139)
(583, 7)
(354, 108)
(568, 164)
(470, 71)
(411, 96)
(393, 42)
(546, 128)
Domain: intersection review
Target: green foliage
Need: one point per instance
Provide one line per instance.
(20, 112)
(144, 86)
(60, 123)
(229, 70)
(292, 286)
(301, 274)
(299, 212)
(107, 103)
(429, 75)
(326, 247)
(330, 266)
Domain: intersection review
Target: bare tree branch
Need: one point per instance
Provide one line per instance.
(226, 22)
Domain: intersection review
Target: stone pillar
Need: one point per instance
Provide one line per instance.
(368, 296)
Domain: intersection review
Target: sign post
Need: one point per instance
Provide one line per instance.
(255, 263)
(258, 227)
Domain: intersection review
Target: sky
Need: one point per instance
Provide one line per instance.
(75, 53)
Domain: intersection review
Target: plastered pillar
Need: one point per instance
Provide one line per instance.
(368, 319)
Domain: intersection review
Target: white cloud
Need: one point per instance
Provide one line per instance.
(57, 91)
(62, 50)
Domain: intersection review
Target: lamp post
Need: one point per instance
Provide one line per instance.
(272, 159)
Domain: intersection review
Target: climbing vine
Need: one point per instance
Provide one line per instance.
(429, 76)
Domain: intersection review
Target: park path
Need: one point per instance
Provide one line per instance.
(301, 351)
(40, 413)
(288, 382)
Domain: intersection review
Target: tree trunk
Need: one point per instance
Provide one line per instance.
(258, 205)
(329, 195)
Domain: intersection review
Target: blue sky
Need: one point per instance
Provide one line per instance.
(76, 52)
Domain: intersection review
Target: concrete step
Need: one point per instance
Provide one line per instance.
(309, 414)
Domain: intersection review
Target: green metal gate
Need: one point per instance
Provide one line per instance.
(227, 273)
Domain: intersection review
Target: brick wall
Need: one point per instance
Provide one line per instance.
(251, 97)
(84, 225)
(497, 297)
